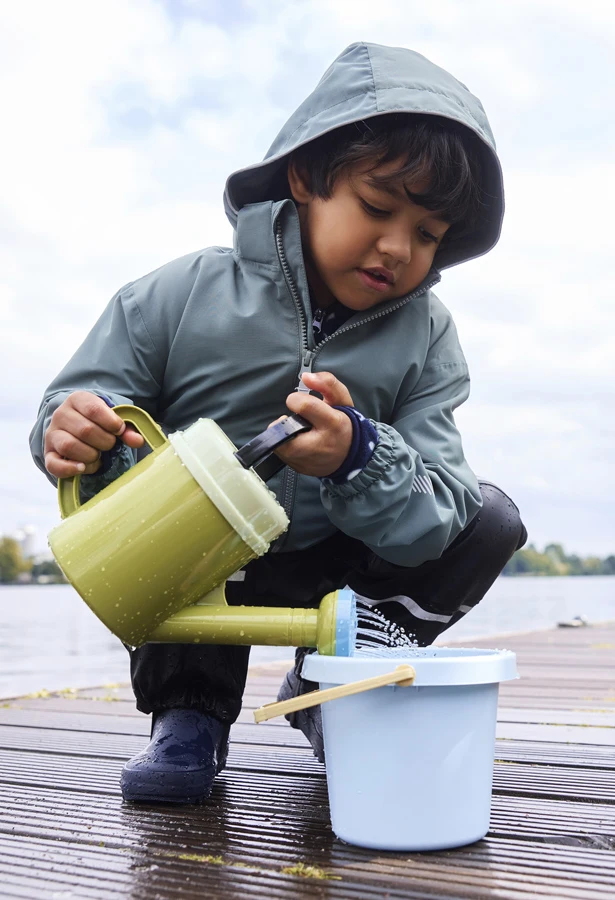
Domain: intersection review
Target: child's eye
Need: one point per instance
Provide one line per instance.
(427, 235)
(373, 210)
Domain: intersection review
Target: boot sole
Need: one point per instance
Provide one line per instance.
(165, 788)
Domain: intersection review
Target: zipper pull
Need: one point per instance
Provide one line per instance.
(317, 321)
(306, 366)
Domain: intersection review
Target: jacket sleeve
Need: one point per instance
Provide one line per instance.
(417, 492)
(124, 355)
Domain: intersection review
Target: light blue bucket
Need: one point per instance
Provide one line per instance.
(411, 768)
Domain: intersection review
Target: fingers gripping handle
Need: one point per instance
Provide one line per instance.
(68, 488)
(257, 452)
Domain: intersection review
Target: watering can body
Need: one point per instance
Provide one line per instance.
(150, 553)
(154, 541)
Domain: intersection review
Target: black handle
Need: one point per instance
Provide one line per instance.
(257, 453)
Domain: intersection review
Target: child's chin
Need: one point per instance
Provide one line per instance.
(361, 304)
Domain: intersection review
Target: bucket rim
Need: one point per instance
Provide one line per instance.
(442, 666)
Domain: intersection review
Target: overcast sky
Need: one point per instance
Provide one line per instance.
(121, 121)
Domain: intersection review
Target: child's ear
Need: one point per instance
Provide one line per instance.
(299, 183)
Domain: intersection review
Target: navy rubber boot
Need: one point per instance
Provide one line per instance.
(309, 720)
(187, 750)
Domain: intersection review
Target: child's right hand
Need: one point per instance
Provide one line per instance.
(81, 428)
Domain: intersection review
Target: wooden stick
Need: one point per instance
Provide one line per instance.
(403, 676)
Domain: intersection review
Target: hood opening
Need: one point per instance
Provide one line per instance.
(368, 81)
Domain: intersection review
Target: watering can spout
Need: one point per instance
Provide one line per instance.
(331, 628)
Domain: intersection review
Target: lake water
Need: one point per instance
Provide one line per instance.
(50, 640)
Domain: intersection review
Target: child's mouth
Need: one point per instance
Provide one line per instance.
(374, 280)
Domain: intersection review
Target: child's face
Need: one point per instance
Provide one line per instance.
(366, 243)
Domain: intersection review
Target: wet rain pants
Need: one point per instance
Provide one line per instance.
(425, 600)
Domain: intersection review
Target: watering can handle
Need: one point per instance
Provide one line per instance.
(402, 675)
(68, 488)
(257, 453)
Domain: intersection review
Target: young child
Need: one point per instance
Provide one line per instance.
(383, 177)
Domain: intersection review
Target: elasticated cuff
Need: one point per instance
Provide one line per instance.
(364, 441)
(381, 459)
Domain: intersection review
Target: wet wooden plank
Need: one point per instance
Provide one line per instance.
(245, 832)
(380, 875)
(567, 734)
(547, 725)
(64, 830)
(581, 717)
(99, 774)
(290, 750)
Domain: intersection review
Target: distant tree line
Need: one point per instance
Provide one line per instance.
(15, 567)
(555, 561)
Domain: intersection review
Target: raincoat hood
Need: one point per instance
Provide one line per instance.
(369, 80)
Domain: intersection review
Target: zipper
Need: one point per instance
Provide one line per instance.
(377, 315)
(289, 478)
(288, 277)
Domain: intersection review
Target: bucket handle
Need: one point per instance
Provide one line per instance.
(403, 676)
(68, 488)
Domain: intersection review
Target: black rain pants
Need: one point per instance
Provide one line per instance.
(425, 600)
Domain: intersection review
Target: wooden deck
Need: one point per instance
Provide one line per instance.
(65, 833)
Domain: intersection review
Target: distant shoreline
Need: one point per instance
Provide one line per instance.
(507, 575)
(554, 562)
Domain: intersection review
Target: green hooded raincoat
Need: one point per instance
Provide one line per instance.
(224, 333)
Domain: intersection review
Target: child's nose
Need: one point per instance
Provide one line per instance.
(397, 245)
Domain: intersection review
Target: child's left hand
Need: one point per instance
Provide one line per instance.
(322, 450)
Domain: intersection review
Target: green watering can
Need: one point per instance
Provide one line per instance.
(150, 553)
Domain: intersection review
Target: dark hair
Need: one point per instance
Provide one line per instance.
(442, 153)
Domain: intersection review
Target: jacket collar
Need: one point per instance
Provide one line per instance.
(255, 230)
(256, 236)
